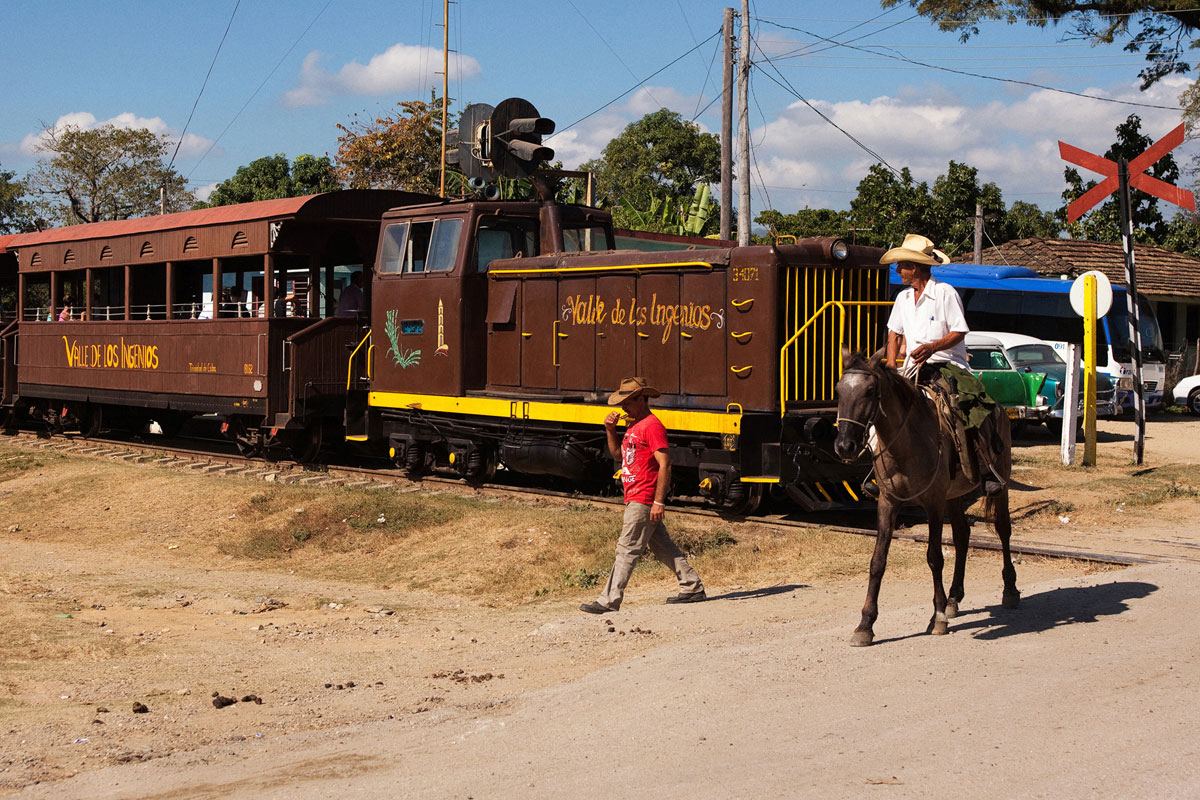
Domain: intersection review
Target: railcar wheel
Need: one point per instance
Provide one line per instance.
(305, 445)
(91, 421)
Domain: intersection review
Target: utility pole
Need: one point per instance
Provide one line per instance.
(978, 233)
(744, 130)
(727, 127)
(445, 86)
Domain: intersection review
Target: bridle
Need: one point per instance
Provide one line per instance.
(876, 412)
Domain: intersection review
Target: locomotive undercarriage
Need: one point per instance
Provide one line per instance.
(790, 458)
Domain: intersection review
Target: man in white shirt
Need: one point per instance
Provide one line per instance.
(928, 319)
(928, 315)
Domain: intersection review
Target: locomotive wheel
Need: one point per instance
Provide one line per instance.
(305, 445)
(747, 504)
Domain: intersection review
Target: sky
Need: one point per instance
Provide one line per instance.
(287, 73)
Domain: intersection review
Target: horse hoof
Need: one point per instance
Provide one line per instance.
(938, 627)
(1011, 600)
(951, 609)
(862, 639)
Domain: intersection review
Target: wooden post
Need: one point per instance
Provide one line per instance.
(128, 293)
(87, 294)
(726, 127)
(21, 296)
(216, 288)
(744, 130)
(170, 290)
(1070, 409)
(53, 295)
(269, 286)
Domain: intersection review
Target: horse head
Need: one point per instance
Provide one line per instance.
(858, 403)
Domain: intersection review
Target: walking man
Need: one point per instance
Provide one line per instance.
(645, 479)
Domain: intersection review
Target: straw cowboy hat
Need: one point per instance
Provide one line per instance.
(630, 388)
(917, 249)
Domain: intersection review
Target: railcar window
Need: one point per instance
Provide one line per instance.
(394, 238)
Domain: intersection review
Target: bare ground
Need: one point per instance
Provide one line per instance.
(127, 584)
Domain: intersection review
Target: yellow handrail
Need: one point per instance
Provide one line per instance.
(350, 361)
(840, 306)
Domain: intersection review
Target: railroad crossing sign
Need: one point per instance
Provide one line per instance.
(1138, 179)
(1120, 175)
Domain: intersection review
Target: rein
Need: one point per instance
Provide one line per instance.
(878, 411)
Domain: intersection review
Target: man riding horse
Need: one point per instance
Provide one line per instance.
(928, 320)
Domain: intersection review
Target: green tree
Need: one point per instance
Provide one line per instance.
(16, 215)
(1025, 221)
(1104, 223)
(888, 206)
(807, 222)
(104, 173)
(271, 177)
(659, 157)
(402, 150)
(1165, 28)
(952, 208)
(1183, 234)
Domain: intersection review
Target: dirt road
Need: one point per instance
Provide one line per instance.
(117, 588)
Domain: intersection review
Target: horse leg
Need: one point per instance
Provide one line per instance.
(933, 556)
(998, 511)
(962, 539)
(864, 634)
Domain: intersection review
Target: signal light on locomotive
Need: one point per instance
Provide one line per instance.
(839, 250)
(515, 131)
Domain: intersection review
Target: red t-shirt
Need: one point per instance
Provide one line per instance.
(639, 467)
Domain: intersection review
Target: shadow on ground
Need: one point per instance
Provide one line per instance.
(1046, 611)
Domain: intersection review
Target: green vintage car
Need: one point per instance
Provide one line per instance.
(1027, 377)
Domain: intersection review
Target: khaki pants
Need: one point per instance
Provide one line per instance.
(638, 533)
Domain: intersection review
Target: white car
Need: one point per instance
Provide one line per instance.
(1187, 394)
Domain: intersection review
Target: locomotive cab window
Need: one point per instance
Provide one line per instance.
(584, 239)
(421, 246)
(498, 238)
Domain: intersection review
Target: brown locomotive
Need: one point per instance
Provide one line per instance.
(494, 332)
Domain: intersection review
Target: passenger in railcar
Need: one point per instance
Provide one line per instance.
(352, 300)
(65, 314)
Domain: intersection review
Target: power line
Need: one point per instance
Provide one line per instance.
(260, 86)
(206, 77)
(672, 63)
(616, 55)
(976, 74)
(783, 83)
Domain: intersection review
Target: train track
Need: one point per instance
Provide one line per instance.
(204, 455)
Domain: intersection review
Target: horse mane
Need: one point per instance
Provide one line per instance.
(892, 378)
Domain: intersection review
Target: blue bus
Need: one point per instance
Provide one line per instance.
(1018, 300)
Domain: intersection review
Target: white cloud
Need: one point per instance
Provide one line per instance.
(204, 192)
(1013, 142)
(193, 144)
(400, 68)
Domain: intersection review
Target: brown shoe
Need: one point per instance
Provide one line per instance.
(694, 597)
(595, 608)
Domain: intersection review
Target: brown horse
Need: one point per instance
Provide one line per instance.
(912, 456)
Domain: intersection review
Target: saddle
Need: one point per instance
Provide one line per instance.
(950, 420)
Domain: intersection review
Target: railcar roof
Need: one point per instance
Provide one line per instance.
(344, 204)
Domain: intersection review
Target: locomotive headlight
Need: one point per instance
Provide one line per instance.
(839, 250)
